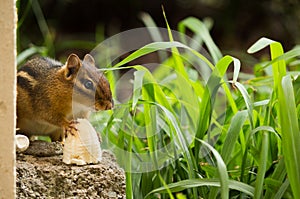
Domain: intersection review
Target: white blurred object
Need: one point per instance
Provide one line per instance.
(22, 143)
(83, 147)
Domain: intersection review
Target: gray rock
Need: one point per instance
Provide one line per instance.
(43, 149)
(49, 177)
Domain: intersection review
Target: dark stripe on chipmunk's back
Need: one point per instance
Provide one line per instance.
(24, 83)
(31, 72)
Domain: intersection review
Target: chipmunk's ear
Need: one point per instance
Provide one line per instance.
(72, 66)
(89, 60)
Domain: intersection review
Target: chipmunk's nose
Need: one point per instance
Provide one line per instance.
(110, 105)
(104, 105)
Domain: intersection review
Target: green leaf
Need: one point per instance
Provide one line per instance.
(29, 52)
(154, 32)
(232, 134)
(200, 29)
(222, 171)
(137, 86)
(178, 63)
(259, 45)
(191, 183)
(277, 176)
(261, 103)
(286, 56)
(247, 100)
(155, 46)
(208, 99)
(290, 134)
(282, 189)
(259, 182)
(279, 67)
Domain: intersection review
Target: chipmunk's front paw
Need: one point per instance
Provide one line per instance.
(71, 128)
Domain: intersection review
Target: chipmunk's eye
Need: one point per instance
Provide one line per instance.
(88, 84)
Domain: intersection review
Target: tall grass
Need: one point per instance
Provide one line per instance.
(194, 148)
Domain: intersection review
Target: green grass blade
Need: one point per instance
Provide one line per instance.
(158, 95)
(247, 100)
(24, 55)
(222, 171)
(286, 56)
(155, 46)
(290, 134)
(261, 103)
(180, 140)
(178, 63)
(248, 143)
(25, 12)
(137, 86)
(208, 99)
(282, 189)
(150, 120)
(259, 182)
(166, 186)
(48, 37)
(153, 93)
(151, 26)
(236, 69)
(232, 134)
(154, 32)
(191, 183)
(279, 68)
(200, 28)
(287, 113)
(129, 193)
(259, 45)
(263, 128)
(279, 174)
(197, 40)
(112, 79)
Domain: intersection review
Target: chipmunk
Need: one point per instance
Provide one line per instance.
(52, 95)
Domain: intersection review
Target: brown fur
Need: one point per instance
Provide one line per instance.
(47, 88)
